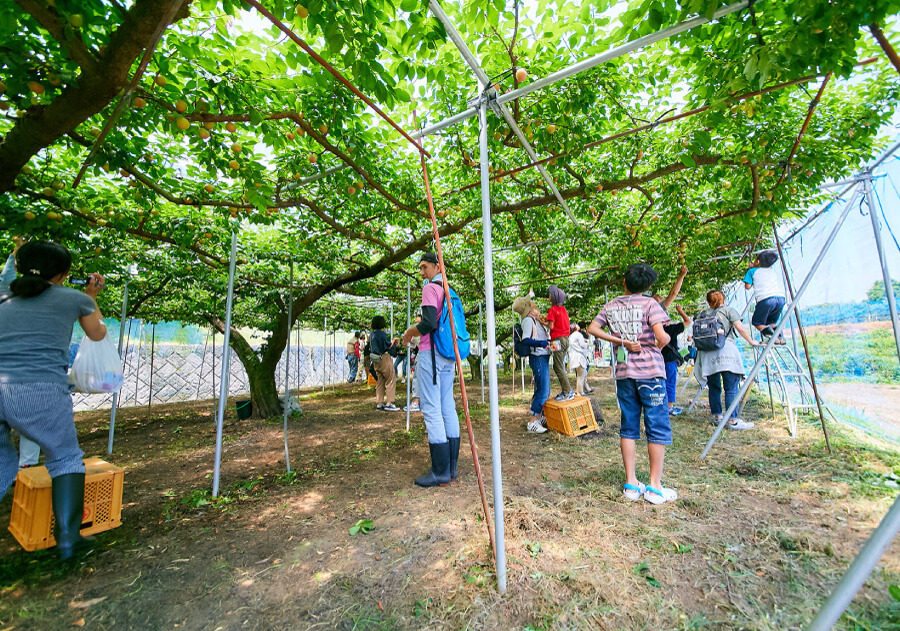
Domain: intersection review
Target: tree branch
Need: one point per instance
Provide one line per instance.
(50, 22)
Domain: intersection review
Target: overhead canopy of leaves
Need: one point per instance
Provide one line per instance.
(234, 128)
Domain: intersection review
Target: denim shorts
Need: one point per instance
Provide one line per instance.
(649, 395)
(768, 311)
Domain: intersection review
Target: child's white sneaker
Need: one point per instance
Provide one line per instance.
(737, 423)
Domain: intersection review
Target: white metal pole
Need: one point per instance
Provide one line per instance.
(324, 358)
(858, 571)
(882, 259)
(501, 109)
(115, 399)
(512, 361)
(409, 366)
(490, 333)
(226, 363)
(760, 361)
(587, 64)
(481, 347)
(287, 369)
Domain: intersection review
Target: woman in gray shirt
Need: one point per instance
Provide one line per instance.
(37, 315)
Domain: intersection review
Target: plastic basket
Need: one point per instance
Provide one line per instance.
(571, 418)
(31, 521)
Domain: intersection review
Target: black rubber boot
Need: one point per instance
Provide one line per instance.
(67, 492)
(454, 457)
(439, 474)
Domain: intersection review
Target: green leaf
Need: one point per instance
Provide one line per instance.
(336, 43)
(409, 5)
(363, 526)
(894, 591)
(688, 161)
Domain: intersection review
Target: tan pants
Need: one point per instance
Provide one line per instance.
(580, 380)
(386, 387)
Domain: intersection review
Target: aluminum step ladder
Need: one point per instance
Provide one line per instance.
(792, 382)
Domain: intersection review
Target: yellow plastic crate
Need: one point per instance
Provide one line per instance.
(572, 418)
(31, 521)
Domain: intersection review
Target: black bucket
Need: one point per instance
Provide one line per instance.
(244, 409)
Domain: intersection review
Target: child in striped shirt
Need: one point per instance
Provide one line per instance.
(635, 323)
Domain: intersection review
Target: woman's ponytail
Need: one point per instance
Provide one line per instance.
(28, 286)
(37, 262)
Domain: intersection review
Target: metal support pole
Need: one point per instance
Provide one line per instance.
(882, 259)
(392, 321)
(226, 362)
(491, 334)
(512, 362)
(324, 345)
(202, 364)
(771, 398)
(287, 371)
(481, 346)
(213, 361)
(115, 399)
(859, 570)
(587, 64)
(409, 366)
(812, 376)
(778, 329)
(152, 357)
(485, 83)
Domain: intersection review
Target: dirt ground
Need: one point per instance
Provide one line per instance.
(762, 529)
(876, 400)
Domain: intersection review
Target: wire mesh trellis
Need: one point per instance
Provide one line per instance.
(190, 372)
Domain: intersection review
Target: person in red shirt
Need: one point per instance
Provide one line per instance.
(558, 319)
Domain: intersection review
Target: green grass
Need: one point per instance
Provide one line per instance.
(870, 356)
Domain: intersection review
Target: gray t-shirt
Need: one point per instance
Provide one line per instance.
(35, 333)
(536, 331)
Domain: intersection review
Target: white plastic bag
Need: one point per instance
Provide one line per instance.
(97, 367)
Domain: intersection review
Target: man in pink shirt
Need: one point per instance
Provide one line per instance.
(435, 375)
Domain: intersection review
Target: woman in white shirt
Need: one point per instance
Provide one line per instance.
(579, 350)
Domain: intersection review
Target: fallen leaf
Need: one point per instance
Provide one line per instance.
(84, 604)
(78, 623)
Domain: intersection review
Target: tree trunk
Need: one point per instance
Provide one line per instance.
(260, 372)
(263, 391)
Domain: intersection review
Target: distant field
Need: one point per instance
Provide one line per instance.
(861, 351)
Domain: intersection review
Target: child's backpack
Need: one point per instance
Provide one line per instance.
(709, 331)
(442, 336)
(521, 348)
